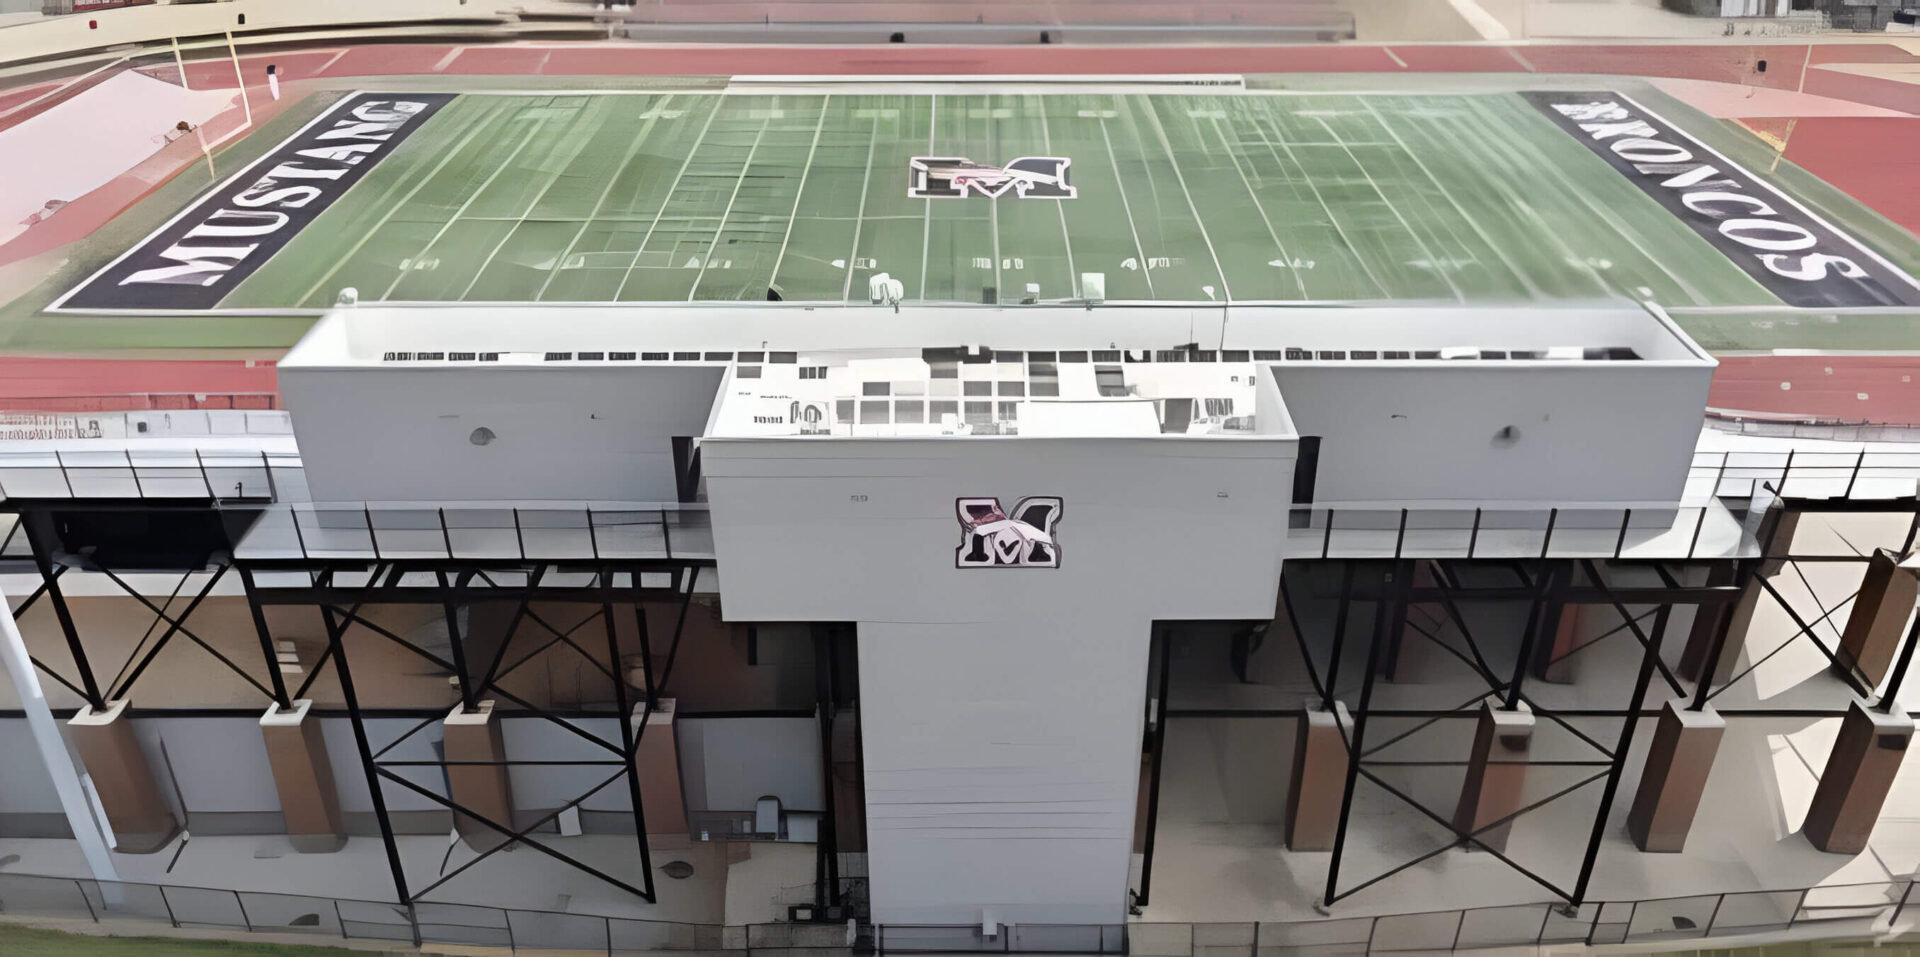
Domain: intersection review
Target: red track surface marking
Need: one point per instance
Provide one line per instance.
(1825, 387)
(502, 60)
(1861, 53)
(385, 60)
(1438, 59)
(1878, 91)
(89, 385)
(1874, 159)
(1728, 64)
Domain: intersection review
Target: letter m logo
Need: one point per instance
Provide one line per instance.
(1023, 538)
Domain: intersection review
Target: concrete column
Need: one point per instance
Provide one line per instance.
(1319, 781)
(138, 814)
(303, 777)
(1684, 745)
(480, 788)
(1496, 773)
(1855, 782)
(1878, 621)
(657, 766)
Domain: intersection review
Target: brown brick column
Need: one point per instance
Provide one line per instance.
(1878, 621)
(1855, 782)
(657, 765)
(480, 788)
(1496, 774)
(1319, 781)
(303, 777)
(1675, 776)
(141, 821)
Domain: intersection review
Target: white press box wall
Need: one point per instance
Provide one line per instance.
(1002, 708)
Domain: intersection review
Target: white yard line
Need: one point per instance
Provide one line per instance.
(1306, 176)
(1601, 214)
(1255, 199)
(666, 201)
(606, 191)
(1458, 207)
(479, 125)
(1226, 293)
(499, 168)
(560, 169)
(773, 277)
(1432, 260)
(713, 244)
(926, 231)
(860, 215)
(1066, 237)
(1120, 180)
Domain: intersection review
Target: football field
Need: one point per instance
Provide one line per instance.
(665, 197)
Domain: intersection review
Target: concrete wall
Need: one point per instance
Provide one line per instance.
(1598, 432)
(727, 764)
(567, 433)
(986, 690)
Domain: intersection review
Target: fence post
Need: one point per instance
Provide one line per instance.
(1857, 462)
(339, 920)
(507, 915)
(243, 911)
(175, 921)
(413, 919)
(1717, 904)
(608, 921)
(84, 899)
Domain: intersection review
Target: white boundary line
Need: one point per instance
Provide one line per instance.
(521, 220)
(1199, 222)
(860, 216)
(1445, 273)
(926, 231)
(1120, 186)
(773, 278)
(388, 215)
(665, 201)
(1796, 204)
(60, 304)
(613, 179)
(1254, 198)
(713, 245)
(1338, 230)
(1498, 250)
(1066, 235)
(499, 168)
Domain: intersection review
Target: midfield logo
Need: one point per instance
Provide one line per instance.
(950, 177)
(991, 538)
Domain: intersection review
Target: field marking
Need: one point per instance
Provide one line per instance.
(666, 200)
(860, 216)
(613, 179)
(521, 220)
(1498, 250)
(1160, 129)
(926, 232)
(1445, 274)
(1602, 213)
(1395, 57)
(1775, 190)
(794, 213)
(1119, 182)
(480, 123)
(1459, 144)
(475, 194)
(1307, 177)
(1066, 235)
(1262, 210)
(713, 245)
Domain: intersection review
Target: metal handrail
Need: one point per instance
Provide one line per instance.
(1593, 922)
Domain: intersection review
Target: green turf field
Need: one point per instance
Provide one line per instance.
(704, 196)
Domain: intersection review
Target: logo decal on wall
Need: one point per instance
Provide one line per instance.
(992, 538)
(950, 177)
